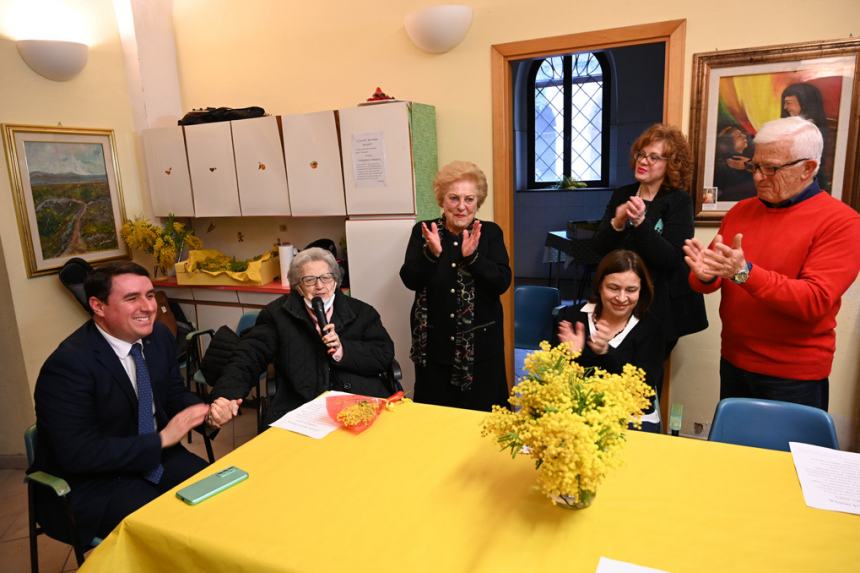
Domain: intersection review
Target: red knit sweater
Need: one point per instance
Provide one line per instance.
(781, 321)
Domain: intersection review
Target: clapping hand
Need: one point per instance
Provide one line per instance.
(598, 342)
(723, 260)
(573, 336)
(636, 210)
(694, 256)
(432, 238)
(182, 423)
(471, 239)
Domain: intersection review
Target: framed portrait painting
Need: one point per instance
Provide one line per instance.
(68, 197)
(737, 91)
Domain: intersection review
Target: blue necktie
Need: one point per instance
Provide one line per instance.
(145, 421)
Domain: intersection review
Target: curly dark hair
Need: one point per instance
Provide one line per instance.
(679, 166)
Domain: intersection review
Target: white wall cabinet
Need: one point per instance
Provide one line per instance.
(389, 158)
(167, 171)
(213, 170)
(312, 156)
(260, 170)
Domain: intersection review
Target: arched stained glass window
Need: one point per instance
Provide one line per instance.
(568, 114)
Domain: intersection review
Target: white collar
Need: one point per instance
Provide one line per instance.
(120, 347)
(588, 308)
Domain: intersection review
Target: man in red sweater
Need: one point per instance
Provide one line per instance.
(789, 255)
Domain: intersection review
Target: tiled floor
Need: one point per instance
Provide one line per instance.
(55, 557)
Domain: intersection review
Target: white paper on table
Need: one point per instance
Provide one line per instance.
(310, 419)
(830, 479)
(607, 565)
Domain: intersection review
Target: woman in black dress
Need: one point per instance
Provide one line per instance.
(458, 268)
(615, 328)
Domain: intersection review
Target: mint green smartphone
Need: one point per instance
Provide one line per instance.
(209, 486)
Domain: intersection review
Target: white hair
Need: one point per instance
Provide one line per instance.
(805, 137)
(309, 255)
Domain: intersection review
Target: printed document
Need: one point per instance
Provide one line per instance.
(310, 419)
(830, 479)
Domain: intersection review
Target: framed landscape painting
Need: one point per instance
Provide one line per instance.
(68, 198)
(737, 91)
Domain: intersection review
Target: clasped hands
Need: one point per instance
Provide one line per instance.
(574, 336)
(633, 210)
(720, 260)
(434, 240)
(215, 415)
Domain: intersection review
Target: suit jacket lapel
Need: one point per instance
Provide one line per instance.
(155, 363)
(105, 356)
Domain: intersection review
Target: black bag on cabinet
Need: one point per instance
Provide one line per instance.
(216, 114)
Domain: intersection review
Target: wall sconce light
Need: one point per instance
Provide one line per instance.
(437, 29)
(54, 59)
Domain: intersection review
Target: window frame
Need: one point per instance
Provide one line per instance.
(567, 66)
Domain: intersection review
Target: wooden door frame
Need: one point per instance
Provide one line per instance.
(671, 32)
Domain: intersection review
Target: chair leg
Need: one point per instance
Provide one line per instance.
(34, 543)
(209, 453)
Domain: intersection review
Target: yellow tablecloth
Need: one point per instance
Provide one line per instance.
(422, 491)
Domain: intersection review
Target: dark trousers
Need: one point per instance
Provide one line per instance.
(100, 503)
(738, 383)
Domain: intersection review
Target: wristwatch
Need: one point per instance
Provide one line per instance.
(742, 275)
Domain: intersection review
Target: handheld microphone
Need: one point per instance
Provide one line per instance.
(318, 307)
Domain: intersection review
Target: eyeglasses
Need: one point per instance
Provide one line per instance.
(310, 280)
(770, 170)
(649, 157)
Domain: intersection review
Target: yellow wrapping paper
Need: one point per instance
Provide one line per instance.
(261, 271)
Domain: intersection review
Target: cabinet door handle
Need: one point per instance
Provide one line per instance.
(261, 166)
(168, 171)
(212, 169)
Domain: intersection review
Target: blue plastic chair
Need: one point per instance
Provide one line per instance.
(248, 320)
(533, 315)
(771, 424)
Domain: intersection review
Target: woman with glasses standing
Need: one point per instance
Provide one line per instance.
(348, 352)
(653, 217)
(458, 268)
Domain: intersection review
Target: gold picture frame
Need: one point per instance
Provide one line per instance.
(68, 195)
(736, 91)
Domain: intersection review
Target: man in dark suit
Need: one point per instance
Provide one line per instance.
(111, 408)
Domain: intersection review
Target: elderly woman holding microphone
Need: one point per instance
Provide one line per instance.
(458, 268)
(318, 338)
(653, 217)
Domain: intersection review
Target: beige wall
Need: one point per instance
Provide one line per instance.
(291, 56)
(44, 310)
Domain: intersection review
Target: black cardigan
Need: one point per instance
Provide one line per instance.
(679, 309)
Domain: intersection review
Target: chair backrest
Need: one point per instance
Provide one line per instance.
(247, 322)
(30, 436)
(771, 424)
(533, 318)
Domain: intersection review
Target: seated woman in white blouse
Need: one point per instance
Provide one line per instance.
(615, 327)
